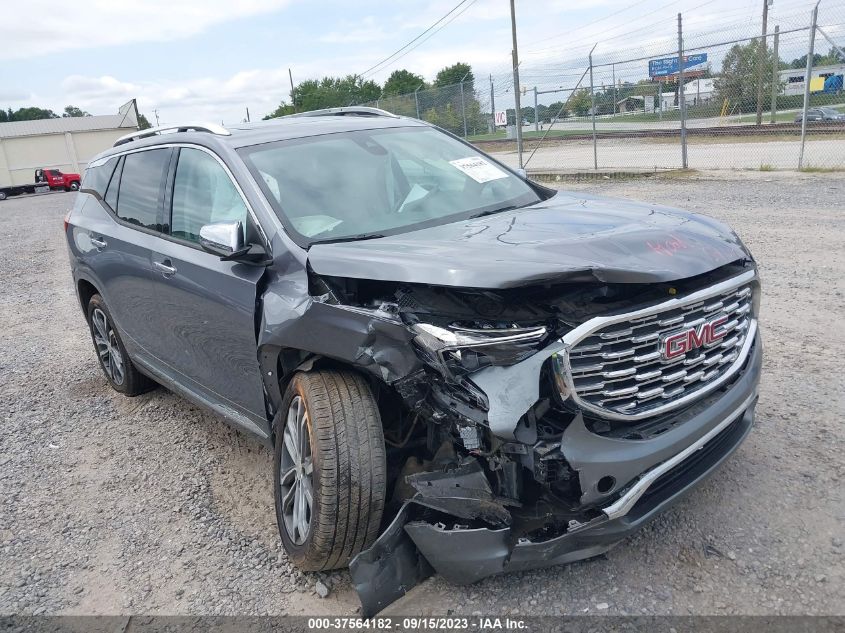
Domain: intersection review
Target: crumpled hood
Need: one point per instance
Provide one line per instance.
(570, 237)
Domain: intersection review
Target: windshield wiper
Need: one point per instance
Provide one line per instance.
(494, 211)
(351, 238)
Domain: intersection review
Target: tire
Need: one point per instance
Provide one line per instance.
(344, 475)
(2, 195)
(122, 375)
(74, 186)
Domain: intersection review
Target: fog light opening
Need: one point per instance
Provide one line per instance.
(606, 484)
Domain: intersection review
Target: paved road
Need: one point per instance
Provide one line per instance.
(644, 154)
(152, 506)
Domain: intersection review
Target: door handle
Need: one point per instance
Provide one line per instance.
(98, 243)
(165, 268)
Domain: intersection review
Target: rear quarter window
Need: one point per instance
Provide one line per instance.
(96, 179)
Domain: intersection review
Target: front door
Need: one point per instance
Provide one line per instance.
(206, 307)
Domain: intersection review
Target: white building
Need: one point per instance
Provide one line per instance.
(699, 91)
(66, 144)
(696, 92)
(793, 78)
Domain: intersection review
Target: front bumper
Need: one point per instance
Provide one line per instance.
(670, 465)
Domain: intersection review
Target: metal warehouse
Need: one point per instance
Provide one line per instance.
(66, 144)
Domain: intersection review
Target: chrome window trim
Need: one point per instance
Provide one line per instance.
(587, 328)
(208, 151)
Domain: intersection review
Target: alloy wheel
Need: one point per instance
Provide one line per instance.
(107, 348)
(297, 473)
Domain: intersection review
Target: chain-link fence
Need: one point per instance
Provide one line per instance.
(459, 108)
(734, 103)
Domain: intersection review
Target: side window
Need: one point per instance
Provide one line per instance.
(114, 185)
(203, 193)
(140, 187)
(97, 178)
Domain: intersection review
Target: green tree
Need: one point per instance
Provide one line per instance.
(402, 82)
(284, 109)
(580, 102)
(738, 80)
(143, 123)
(454, 74)
(801, 62)
(73, 111)
(31, 114)
(334, 92)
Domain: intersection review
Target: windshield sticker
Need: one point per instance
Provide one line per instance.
(478, 169)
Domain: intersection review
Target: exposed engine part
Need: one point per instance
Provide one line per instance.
(471, 437)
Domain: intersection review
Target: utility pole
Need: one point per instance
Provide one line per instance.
(761, 62)
(516, 87)
(155, 112)
(536, 112)
(814, 20)
(593, 109)
(613, 71)
(492, 106)
(775, 77)
(682, 100)
(292, 98)
(247, 115)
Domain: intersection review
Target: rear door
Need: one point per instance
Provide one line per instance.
(121, 243)
(205, 308)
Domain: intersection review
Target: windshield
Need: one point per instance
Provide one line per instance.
(367, 183)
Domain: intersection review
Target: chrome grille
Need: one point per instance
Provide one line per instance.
(619, 368)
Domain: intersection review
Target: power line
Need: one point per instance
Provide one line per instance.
(397, 52)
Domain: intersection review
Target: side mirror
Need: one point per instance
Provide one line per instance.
(522, 173)
(224, 239)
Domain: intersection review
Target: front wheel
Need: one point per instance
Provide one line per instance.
(330, 465)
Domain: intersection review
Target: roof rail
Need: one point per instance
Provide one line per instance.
(211, 128)
(350, 110)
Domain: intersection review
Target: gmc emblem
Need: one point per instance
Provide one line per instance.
(679, 343)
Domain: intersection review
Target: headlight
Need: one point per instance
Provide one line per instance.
(458, 351)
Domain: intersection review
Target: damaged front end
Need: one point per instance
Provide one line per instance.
(540, 425)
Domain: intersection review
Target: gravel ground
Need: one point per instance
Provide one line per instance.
(149, 505)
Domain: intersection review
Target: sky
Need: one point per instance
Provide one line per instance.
(210, 60)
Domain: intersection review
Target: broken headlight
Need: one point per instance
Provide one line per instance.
(459, 351)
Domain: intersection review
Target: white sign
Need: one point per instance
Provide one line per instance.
(501, 118)
(478, 169)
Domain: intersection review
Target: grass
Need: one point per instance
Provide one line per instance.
(809, 169)
(767, 167)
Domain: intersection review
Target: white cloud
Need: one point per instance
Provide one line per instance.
(368, 29)
(60, 26)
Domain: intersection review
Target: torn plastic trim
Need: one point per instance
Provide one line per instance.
(513, 390)
(466, 555)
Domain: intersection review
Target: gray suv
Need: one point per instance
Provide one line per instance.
(459, 370)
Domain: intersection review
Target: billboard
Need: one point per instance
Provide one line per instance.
(501, 118)
(669, 65)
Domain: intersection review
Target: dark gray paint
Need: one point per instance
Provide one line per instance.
(206, 324)
(568, 238)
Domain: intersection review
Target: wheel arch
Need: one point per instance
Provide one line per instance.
(280, 364)
(85, 290)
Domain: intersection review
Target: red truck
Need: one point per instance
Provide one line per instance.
(45, 180)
